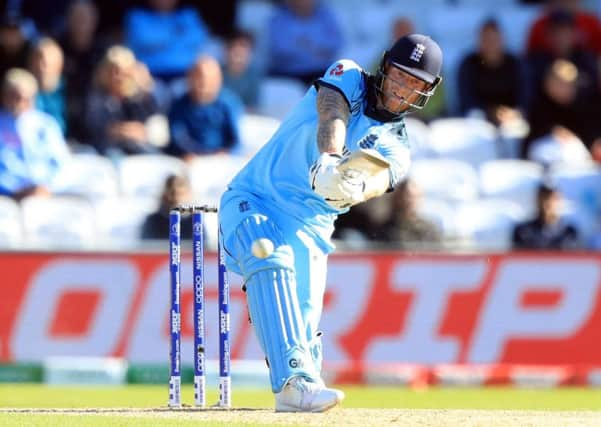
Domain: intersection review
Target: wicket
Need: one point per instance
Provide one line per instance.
(197, 213)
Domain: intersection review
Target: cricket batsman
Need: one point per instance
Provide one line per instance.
(344, 143)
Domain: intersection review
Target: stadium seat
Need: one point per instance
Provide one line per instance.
(11, 227)
(488, 6)
(88, 175)
(446, 179)
(515, 23)
(470, 140)
(144, 175)
(58, 222)
(581, 188)
(119, 220)
(488, 223)
(255, 131)
(209, 175)
(418, 12)
(277, 96)
(580, 185)
(455, 28)
(586, 221)
(440, 212)
(515, 180)
(419, 138)
(253, 16)
(366, 34)
(457, 24)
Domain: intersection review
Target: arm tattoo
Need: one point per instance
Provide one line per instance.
(334, 114)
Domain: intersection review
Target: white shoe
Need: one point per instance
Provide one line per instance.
(301, 395)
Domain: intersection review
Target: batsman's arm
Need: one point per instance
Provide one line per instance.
(334, 112)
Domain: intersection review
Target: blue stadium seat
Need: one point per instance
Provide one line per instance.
(119, 220)
(11, 227)
(581, 188)
(255, 131)
(144, 175)
(447, 179)
(277, 96)
(88, 175)
(515, 180)
(253, 16)
(470, 140)
(440, 212)
(210, 175)
(488, 223)
(515, 23)
(58, 222)
(419, 138)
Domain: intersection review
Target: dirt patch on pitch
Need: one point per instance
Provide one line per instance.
(348, 417)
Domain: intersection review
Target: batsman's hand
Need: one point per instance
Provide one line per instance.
(339, 191)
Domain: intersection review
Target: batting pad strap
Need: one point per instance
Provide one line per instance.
(257, 227)
(315, 348)
(278, 324)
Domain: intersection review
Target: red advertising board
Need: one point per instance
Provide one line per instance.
(542, 309)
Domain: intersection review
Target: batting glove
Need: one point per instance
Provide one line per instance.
(339, 191)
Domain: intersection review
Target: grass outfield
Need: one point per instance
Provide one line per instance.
(382, 406)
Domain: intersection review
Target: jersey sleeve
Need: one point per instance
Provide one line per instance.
(392, 142)
(346, 77)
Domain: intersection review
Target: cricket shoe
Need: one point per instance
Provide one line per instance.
(301, 395)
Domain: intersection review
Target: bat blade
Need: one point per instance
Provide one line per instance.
(365, 161)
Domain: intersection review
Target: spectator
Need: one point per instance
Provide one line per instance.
(46, 64)
(240, 75)
(176, 191)
(362, 223)
(304, 38)
(548, 230)
(47, 16)
(120, 105)
(82, 47)
(562, 37)
(401, 26)
(219, 16)
(588, 27)
(204, 120)
(165, 37)
(405, 227)
(14, 45)
(593, 118)
(490, 79)
(556, 121)
(32, 148)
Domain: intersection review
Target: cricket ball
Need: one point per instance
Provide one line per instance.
(262, 248)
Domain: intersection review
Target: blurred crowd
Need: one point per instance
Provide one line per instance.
(176, 78)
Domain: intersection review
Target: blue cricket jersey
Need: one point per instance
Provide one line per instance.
(279, 173)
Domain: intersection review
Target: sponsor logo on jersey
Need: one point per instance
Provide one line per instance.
(244, 206)
(368, 141)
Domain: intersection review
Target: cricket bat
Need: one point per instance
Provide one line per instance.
(366, 161)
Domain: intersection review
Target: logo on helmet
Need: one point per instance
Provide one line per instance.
(337, 70)
(418, 52)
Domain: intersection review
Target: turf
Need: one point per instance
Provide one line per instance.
(57, 420)
(87, 405)
(39, 396)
